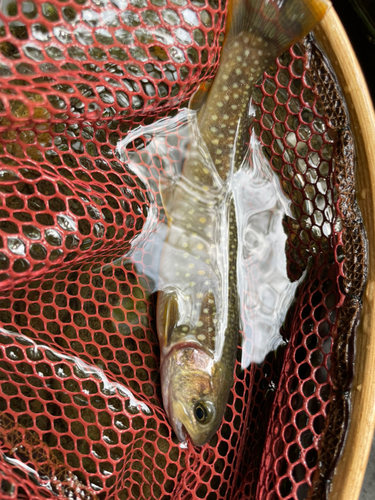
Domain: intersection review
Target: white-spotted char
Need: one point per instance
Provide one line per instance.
(197, 309)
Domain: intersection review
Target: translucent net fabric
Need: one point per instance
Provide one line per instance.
(80, 407)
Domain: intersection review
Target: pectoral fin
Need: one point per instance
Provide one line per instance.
(167, 316)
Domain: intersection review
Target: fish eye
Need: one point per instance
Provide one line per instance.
(203, 412)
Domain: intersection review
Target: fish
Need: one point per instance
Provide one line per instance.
(197, 312)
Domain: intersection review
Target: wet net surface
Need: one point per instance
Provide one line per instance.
(83, 59)
(81, 413)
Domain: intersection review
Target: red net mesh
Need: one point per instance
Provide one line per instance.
(81, 412)
(86, 59)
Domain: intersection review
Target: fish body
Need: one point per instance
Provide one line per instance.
(197, 307)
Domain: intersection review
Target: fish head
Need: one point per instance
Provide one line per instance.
(194, 393)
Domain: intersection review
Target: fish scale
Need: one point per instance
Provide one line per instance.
(256, 35)
(224, 125)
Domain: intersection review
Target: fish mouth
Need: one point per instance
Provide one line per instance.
(180, 430)
(175, 422)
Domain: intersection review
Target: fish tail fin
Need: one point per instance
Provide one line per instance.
(280, 23)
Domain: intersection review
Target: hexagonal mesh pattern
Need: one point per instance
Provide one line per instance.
(89, 59)
(80, 407)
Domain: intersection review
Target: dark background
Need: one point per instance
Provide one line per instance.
(359, 35)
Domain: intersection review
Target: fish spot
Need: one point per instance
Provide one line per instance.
(200, 246)
(201, 337)
(187, 275)
(185, 329)
(200, 295)
(205, 310)
(199, 323)
(219, 104)
(218, 151)
(215, 141)
(191, 266)
(202, 220)
(201, 272)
